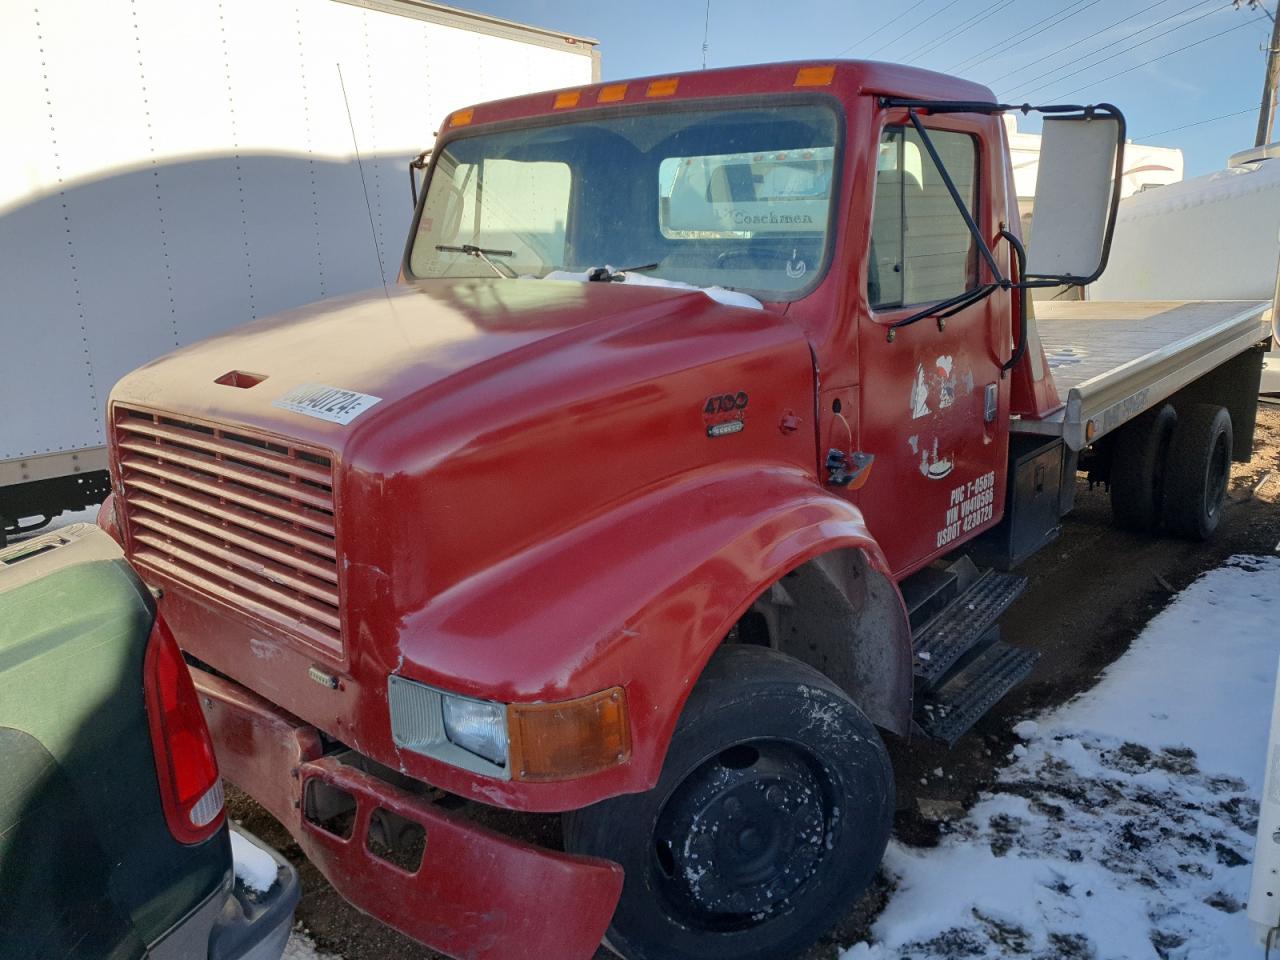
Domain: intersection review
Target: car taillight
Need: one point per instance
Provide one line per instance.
(190, 788)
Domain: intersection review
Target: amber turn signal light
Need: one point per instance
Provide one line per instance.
(560, 741)
(815, 76)
(612, 93)
(662, 88)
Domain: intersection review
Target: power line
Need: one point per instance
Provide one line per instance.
(1092, 83)
(888, 23)
(1257, 5)
(1068, 47)
(963, 27)
(1197, 123)
(1066, 13)
(890, 43)
(1124, 50)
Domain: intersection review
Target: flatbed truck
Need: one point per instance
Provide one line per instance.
(690, 457)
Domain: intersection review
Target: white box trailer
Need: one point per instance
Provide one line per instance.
(172, 170)
(1213, 237)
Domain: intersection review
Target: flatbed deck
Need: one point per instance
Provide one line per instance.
(1113, 359)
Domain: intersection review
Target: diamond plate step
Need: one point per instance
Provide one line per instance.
(958, 628)
(927, 594)
(948, 712)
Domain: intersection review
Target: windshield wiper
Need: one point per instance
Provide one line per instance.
(608, 274)
(482, 253)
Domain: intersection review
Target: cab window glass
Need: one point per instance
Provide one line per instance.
(516, 206)
(921, 250)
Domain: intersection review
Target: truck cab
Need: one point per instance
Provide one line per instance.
(684, 460)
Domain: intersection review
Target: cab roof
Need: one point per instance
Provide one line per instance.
(844, 79)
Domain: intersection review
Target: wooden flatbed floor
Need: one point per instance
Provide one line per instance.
(1113, 359)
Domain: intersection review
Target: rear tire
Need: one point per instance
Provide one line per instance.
(769, 819)
(1198, 472)
(1140, 453)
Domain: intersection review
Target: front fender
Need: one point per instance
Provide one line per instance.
(640, 597)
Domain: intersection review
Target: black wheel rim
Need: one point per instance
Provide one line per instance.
(1219, 472)
(743, 835)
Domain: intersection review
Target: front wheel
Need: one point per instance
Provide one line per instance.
(769, 820)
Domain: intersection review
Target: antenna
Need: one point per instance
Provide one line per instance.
(706, 32)
(373, 232)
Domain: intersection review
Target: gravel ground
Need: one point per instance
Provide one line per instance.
(1090, 595)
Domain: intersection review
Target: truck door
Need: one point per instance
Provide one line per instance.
(933, 405)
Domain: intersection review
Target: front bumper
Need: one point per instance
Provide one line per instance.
(476, 895)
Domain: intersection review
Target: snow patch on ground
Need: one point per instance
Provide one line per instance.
(255, 868)
(300, 947)
(1126, 828)
(1026, 730)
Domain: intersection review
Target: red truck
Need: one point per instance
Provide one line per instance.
(692, 451)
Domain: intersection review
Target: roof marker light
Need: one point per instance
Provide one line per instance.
(815, 76)
(461, 118)
(569, 98)
(612, 93)
(662, 88)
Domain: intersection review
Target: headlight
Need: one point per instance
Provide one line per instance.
(477, 726)
(534, 742)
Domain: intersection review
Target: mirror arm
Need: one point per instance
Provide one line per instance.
(1020, 348)
(957, 199)
(946, 308)
(990, 109)
(417, 163)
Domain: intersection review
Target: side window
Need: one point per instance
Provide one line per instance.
(921, 250)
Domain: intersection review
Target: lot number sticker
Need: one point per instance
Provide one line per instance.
(326, 403)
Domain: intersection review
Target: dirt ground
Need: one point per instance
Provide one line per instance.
(1089, 596)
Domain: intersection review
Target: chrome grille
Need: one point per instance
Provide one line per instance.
(242, 518)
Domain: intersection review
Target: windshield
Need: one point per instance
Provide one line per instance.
(738, 198)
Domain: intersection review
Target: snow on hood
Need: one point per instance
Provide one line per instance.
(731, 298)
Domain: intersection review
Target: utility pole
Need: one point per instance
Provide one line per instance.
(1267, 110)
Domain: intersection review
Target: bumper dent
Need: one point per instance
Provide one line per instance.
(477, 894)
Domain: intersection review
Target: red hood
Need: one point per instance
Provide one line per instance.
(388, 345)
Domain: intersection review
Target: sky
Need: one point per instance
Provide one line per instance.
(1044, 51)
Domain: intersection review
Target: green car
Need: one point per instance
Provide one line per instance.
(114, 844)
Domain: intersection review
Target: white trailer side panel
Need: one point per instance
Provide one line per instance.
(173, 170)
(1215, 237)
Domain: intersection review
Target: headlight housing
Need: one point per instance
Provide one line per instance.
(477, 726)
(533, 742)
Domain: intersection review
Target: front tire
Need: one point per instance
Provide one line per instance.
(769, 819)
